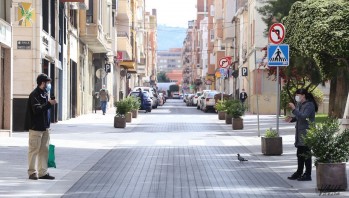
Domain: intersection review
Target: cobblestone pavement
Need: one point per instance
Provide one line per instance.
(177, 152)
(174, 151)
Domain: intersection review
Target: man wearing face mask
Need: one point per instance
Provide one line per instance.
(303, 113)
(38, 124)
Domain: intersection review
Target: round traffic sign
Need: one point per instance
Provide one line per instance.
(225, 62)
(100, 73)
(277, 33)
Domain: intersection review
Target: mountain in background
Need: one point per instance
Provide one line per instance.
(170, 37)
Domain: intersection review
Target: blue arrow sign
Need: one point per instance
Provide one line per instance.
(278, 55)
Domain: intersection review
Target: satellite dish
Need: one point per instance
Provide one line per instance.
(123, 73)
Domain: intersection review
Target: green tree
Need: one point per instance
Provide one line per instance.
(320, 29)
(303, 71)
(162, 77)
(274, 11)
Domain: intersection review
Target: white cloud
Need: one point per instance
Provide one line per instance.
(175, 13)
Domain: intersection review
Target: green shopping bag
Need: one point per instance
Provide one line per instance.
(51, 156)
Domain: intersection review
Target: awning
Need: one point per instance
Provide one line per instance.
(127, 64)
(131, 71)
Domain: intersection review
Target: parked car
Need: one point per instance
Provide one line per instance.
(176, 96)
(162, 97)
(198, 104)
(195, 99)
(208, 101)
(146, 105)
(185, 97)
(189, 100)
(152, 94)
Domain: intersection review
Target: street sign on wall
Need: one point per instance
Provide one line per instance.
(244, 71)
(277, 33)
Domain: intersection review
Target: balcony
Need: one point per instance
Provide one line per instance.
(93, 35)
(124, 44)
(124, 10)
(5, 33)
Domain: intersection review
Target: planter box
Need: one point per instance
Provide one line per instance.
(221, 115)
(237, 123)
(331, 176)
(119, 122)
(228, 119)
(134, 113)
(129, 117)
(271, 146)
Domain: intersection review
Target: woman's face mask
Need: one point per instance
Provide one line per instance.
(298, 98)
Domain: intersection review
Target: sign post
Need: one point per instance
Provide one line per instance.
(224, 64)
(278, 55)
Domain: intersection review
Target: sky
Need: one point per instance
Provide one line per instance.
(174, 13)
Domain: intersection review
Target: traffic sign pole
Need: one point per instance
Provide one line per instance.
(278, 100)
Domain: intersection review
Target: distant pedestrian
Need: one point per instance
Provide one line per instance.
(38, 123)
(141, 96)
(243, 96)
(104, 98)
(304, 112)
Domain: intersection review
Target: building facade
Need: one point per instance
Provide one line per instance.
(6, 68)
(81, 44)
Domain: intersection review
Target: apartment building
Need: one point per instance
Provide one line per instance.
(151, 49)
(169, 60)
(225, 28)
(81, 44)
(6, 68)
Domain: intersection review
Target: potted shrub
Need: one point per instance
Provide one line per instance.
(129, 103)
(236, 109)
(228, 117)
(121, 110)
(221, 109)
(136, 104)
(271, 143)
(330, 147)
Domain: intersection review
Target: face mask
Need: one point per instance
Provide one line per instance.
(48, 87)
(298, 99)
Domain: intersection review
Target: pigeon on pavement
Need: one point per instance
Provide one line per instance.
(241, 159)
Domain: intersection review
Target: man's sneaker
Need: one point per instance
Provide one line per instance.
(294, 176)
(304, 178)
(47, 176)
(33, 176)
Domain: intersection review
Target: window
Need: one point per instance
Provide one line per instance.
(100, 11)
(73, 18)
(212, 10)
(53, 18)
(45, 15)
(212, 35)
(3, 10)
(89, 12)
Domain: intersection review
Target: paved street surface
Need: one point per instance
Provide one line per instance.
(174, 151)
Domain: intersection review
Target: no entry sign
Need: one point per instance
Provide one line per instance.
(277, 33)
